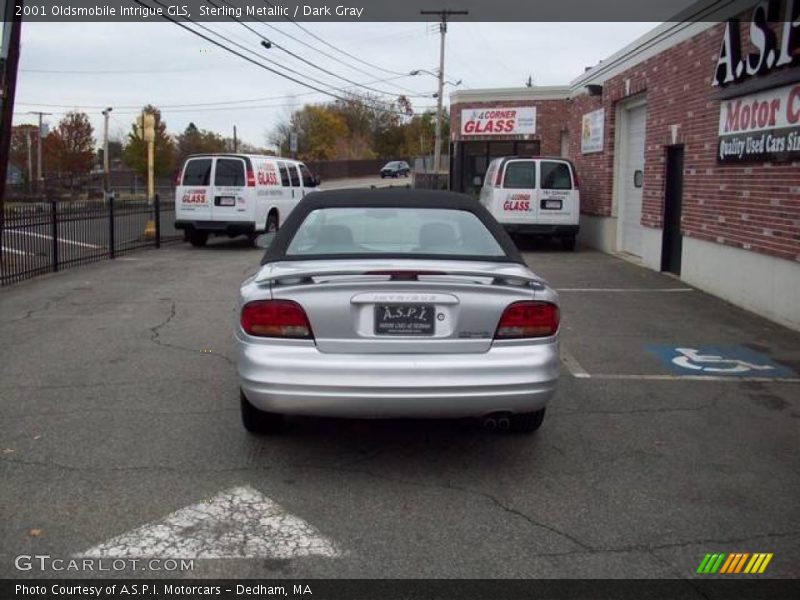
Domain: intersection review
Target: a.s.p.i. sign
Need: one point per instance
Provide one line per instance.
(762, 126)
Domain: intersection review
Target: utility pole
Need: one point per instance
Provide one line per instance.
(235, 141)
(443, 15)
(39, 149)
(30, 159)
(106, 174)
(9, 58)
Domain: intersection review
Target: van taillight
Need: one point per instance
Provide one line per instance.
(178, 177)
(499, 176)
(528, 319)
(575, 183)
(251, 178)
(275, 318)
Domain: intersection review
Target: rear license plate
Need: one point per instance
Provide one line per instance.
(552, 204)
(404, 319)
(227, 201)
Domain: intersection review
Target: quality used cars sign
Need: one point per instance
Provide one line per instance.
(761, 126)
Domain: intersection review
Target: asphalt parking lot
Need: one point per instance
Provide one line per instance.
(119, 409)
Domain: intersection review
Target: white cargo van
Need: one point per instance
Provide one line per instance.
(238, 194)
(534, 195)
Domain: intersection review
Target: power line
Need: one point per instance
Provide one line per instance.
(263, 66)
(322, 52)
(318, 38)
(306, 61)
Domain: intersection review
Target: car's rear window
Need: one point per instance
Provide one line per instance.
(520, 174)
(229, 172)
(370, 231)
(197, 172)
(555, 175)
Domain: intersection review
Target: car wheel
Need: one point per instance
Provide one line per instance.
(258, 421)
(527, 422)
(568, 242)
(198, 238)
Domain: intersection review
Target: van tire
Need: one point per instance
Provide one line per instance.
(258, 421)
(272, 223)
(198, 239)
(526, 422)
(568, 242)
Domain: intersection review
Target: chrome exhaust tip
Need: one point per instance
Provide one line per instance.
(504, 423)
(489, 423)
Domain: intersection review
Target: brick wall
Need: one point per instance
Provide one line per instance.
(551, 117)
(755, 206)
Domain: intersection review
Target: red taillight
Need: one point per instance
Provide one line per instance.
(251, 178)
(575, 183)
(528, 319)
(499, 176)
(275, 318)
(178, 177)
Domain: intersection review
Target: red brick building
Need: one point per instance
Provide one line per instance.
(687, 144)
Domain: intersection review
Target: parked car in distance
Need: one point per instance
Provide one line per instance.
(238, 194)
(534, 195)
(395, 168)
(392, 303)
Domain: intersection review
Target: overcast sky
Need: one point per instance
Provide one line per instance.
(127, 65)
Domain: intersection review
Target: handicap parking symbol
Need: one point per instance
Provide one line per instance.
(734, 361)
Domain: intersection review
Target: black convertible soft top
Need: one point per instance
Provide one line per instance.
(388, 198)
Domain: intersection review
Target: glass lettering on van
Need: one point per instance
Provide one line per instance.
(194, 197)
(267, 175)
(518, 202)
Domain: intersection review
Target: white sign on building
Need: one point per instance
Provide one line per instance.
(511, 120)
(592, 130)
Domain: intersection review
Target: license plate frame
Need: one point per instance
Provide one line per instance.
(406, 319)
(552, 204)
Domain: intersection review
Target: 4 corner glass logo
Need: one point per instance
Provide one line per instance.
(734, 563)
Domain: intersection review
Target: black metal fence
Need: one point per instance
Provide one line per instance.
(44, 237)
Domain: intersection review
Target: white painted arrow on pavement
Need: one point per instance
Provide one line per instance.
(237, 523)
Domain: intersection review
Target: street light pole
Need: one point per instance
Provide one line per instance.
(39, 149)
(106, 186)
(443, 14)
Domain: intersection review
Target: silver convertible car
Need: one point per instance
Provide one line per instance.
(395, 303)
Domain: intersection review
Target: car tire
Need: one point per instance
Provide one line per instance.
(568, 242)
(258, 421)
(526, 422)
(198, 239)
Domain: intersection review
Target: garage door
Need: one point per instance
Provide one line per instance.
(631, 201)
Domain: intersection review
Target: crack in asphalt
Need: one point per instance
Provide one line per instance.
(155, 337)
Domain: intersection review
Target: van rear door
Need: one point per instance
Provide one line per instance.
(559, 202)
(230, 200)
(516, 201)
(193, 197)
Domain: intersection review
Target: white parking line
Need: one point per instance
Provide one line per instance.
(618, 290)
(47, 237)
(572, 364)
(729, 378)
(237, 523)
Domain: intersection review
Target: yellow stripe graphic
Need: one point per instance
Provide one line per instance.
(757, 558)
(741, 562)
(729, 560)
(765, 563)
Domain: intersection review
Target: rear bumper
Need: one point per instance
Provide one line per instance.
(301, 380)
(222, 227)
(541, 229)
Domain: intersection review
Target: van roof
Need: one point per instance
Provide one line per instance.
(530, 156)
(240, 155)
